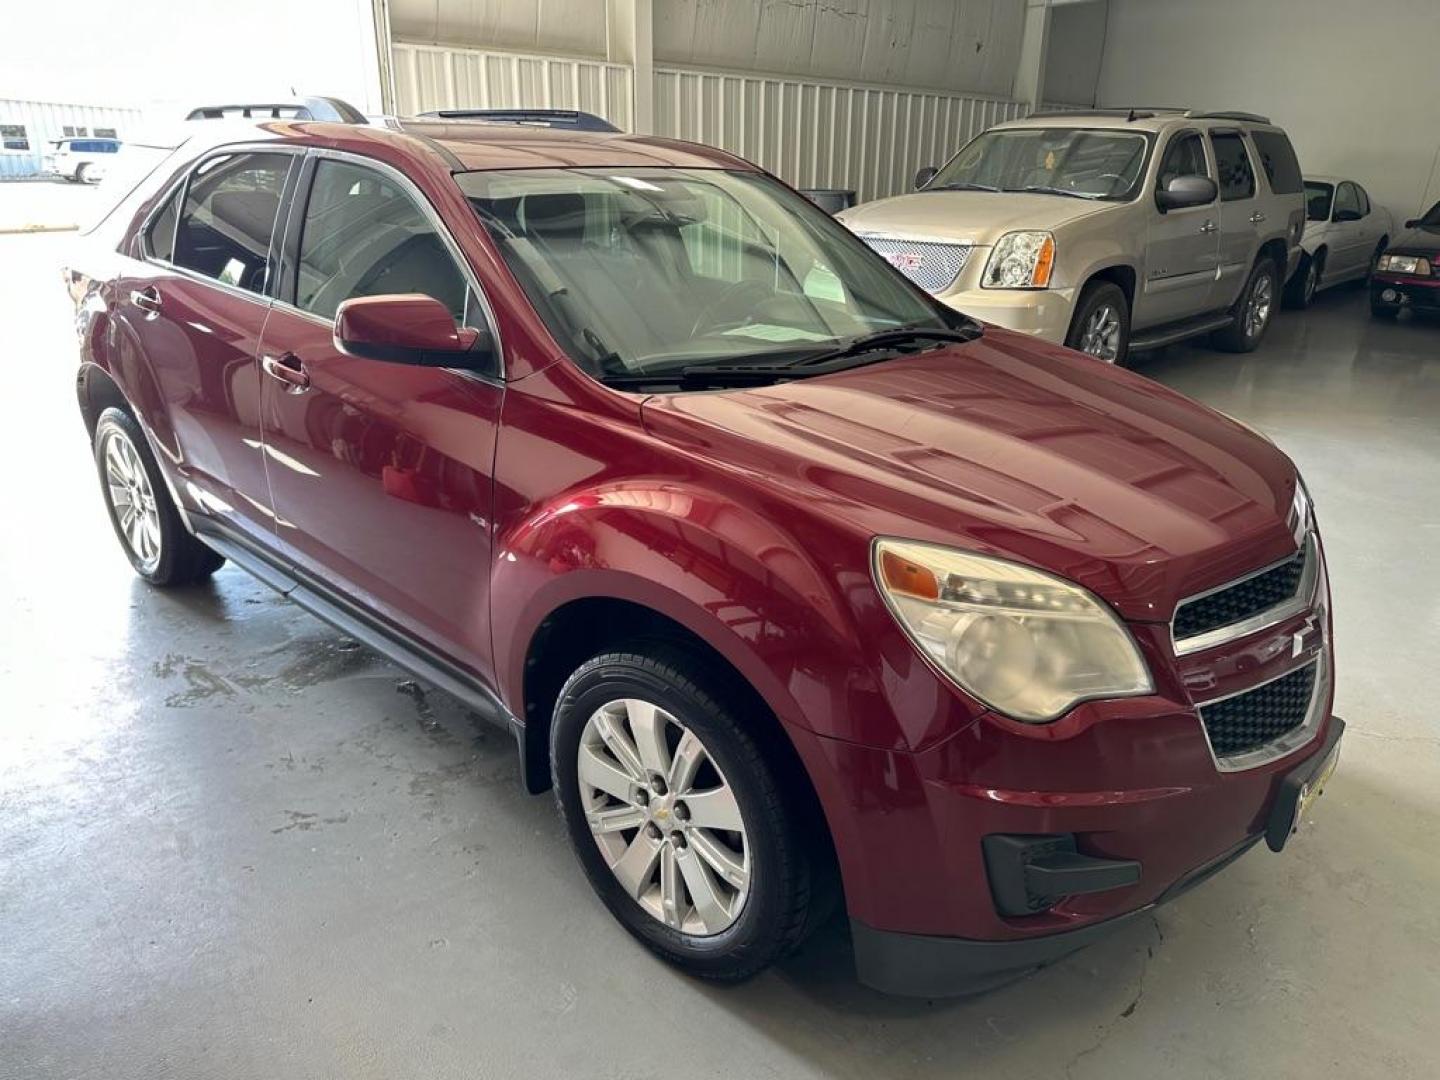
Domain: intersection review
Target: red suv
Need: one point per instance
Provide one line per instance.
(798, 587)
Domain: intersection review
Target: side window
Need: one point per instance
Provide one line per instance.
(13, 137)
(1347, 202)
(1277, 157)
(1185, 156)
(1364, 200)
(160, 233)
(105, 133)
(364, 236)
(1237, 178)
(225, 228)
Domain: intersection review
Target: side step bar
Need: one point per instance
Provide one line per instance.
(1169, 335)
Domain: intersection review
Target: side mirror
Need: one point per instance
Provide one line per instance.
(1185, 191)
(1347, 215)
(407, 328)
(924, 176)
(1413, 223)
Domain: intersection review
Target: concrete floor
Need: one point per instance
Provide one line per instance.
(233, 844)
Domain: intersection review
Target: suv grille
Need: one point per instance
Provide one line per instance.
(934, 267)
(1249, 720)
(1241, 600)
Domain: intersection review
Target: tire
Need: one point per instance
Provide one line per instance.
(1243, 335)
(1301, 289)
(747, 929)
(1390, 312)
(156, 542)
(80, 174)
(1113, 345)
(1380, 249)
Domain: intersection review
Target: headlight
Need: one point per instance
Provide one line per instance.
(1302, 511)
(1404, 264)
(1025, 643)
(1020, 260)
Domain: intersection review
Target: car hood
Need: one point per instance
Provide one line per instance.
(972, 217)
(1017, 449)
(1424, 239)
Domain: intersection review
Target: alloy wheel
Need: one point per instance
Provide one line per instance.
(1257, 310)
(132, 500)
(1100, 337)
(1312, 280)
(666, 821)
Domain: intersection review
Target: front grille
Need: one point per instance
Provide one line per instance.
(1241, 600)
(1248, 721)
(934, 267)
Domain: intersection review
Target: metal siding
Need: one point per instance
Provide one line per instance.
(45, 121)
(811, 133)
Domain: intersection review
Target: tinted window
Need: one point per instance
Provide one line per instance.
(364, 236)
(1317, 200)
(1347, 200)
(1185, 156)
(1277, 157)
(1237, 178)
(229, 217)
(1364, 199)
(160, 233)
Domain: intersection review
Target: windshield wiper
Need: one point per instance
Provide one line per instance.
(888, 339)
(1041, 189)
(962, 185)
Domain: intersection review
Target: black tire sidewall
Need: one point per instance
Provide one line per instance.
(172, 529)
(1094, 294)
(750, 942)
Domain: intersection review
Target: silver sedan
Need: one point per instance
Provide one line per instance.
(1344, 237)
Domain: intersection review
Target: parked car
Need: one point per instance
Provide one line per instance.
(1109, 231)
(82, 160)
(1344, 237)
(796, 584)
(1408, 274)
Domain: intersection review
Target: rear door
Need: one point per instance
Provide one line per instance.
(381, 472)
(192, 311)
(1241, 217)
(1182, 247)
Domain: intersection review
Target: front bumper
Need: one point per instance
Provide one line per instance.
(1397, 290)
(927, 965)
(1042, 313)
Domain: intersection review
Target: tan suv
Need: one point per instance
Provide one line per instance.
(1108, 231)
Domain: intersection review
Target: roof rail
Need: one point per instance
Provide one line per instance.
(311, 108)
(1205, 114)
(567, 118)
(1129, 113)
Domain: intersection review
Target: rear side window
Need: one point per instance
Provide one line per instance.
(1237, 178)
(364, 236)
(160, 233)
(1277, 158)
(1364, 200)
(225, 229)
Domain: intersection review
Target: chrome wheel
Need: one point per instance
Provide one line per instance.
(666, 821)
(132, 500)
(1312, 280)
(1100, 336)
(1257, 309)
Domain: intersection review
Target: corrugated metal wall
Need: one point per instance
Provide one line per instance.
(810, 133)
(432, 77)
(44, 121)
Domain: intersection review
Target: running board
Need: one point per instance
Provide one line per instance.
(390, 642)
(1169, 335)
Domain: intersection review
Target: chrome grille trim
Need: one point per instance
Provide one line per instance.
(932, 265)
(1287, 743)
(1301, 601)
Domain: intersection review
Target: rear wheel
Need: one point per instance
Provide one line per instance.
(1252, 311)
(1101, 325)
(680, 822)
(148, 526)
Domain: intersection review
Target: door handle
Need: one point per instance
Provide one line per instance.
(287, 369)
(146, 299)
(1209, 227)
(1256, 218)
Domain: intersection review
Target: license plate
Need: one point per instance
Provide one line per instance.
(1315, 787)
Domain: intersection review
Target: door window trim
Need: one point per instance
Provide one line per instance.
(182, 184)
(294, 227)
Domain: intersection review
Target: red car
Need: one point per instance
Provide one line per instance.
(798, 588)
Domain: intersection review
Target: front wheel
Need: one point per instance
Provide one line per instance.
(1252, 311)
(1301, 290)
(1101, 325)
(679, 820)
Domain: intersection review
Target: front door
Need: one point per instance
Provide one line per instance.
(1240, 215)
(1349, 244)
(195, 306)
(380, 472)
(1182, 247)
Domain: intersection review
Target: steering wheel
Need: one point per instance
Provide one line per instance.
(743, 295)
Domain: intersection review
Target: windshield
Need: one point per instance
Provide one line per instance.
(1317, 200)
(1431, 218)
(1063, 161)
(653, 269)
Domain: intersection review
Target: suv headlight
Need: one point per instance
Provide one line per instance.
(1021, 641)
(1020, 260)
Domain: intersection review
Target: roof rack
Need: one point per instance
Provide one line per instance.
(310, 108)
(567, 118)
(1129, 113)
(1204, 114)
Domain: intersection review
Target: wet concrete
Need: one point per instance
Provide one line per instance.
(235, 844)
